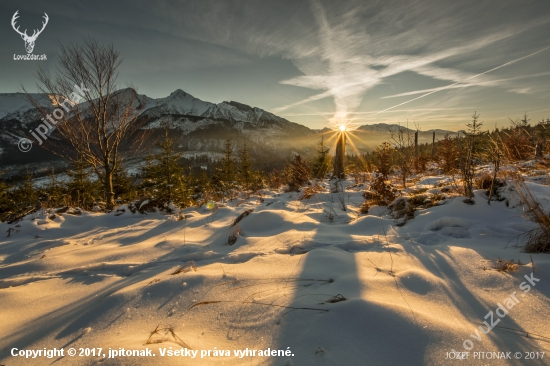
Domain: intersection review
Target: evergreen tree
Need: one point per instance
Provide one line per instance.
(474, 131)
(7, 204)
(79, 187)
(244, 171)
(384, 159)
(447, 152)
(468, 152)
(53, 191)
(274, 179)
(203, 190)
(225, 175)
(122, 183)
(228, 163)
(164, 175)
(299, 173)
(25, 192)
(322, 161)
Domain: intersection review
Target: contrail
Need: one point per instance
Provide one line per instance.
(458, 82)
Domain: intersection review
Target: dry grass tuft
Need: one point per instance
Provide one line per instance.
(538, 239)
(336, 299)
(364, 208)
(165, 334)
(310, 191)
(185, 268)
(505, 266)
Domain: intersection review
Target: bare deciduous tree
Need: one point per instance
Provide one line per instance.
(101, 128)
(402, 139)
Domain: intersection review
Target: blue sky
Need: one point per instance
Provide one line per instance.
(313, 62)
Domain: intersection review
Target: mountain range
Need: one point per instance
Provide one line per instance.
(199, 127)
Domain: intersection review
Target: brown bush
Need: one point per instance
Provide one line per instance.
(538, 239)
(380, 192)
(310, 191)
(364, 208)
(518, 144)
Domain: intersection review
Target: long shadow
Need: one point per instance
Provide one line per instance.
(440, 262)
(360, 332)
(69, 319)
(104, 307)
(351, 332)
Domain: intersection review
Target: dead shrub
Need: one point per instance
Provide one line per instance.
(187, 267)
(518, 144)
(418, 199)
(165, 334)
(310, 191)
(503, 265)
(485, 181)
(380, 192)
(145, 205)
(402, 210)
(274, 179)
(538, 239)
(364, 208)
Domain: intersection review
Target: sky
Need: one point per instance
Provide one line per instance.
(318, 63)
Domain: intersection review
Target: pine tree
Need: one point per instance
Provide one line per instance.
(54, 190)
(322, 161)
(274, 179)
(384, 159)
(468, 148)
(202, 188)
(299, 173)
(447, 152)
(7, 204)
(163, 173)
(225, 175)
(25, 192)
(474, 131)
(79, 187)
(228, 163)
(121, 183)
(244, 171)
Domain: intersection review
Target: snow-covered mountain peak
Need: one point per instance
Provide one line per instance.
(15, 105)
(239, 106)
(180, 102)
(180, 94)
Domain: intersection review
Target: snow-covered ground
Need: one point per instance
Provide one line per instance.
(322, 285)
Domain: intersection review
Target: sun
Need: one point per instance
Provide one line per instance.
(342, 128)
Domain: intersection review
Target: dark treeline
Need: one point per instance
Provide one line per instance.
(164, 175)
(161, 174)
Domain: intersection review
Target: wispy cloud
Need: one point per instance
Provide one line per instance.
(349, 70)
(471, 77)
(340, 61)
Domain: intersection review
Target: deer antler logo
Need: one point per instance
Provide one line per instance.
(29, 40)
